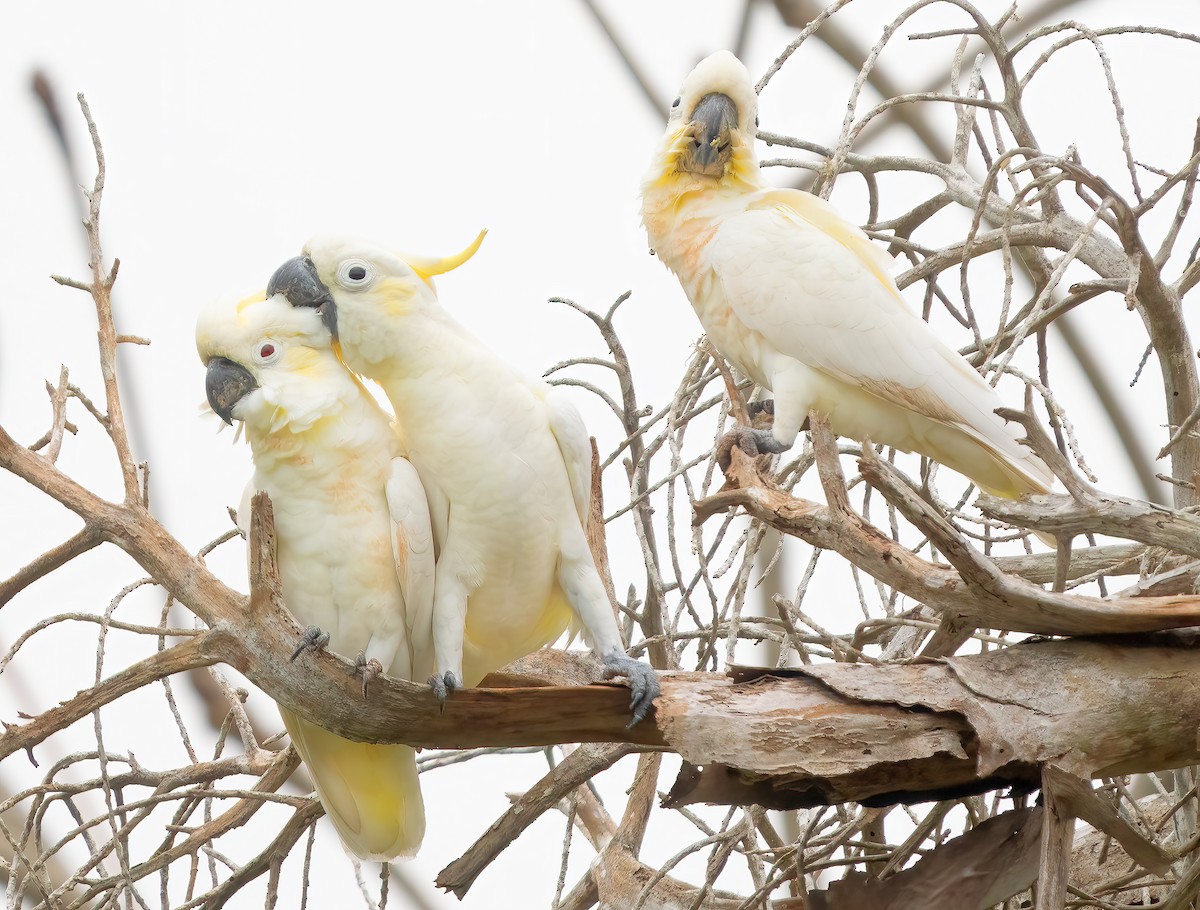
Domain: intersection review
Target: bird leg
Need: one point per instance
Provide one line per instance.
(450, 598)
(314, 639)
(368, 668)
(643, 681)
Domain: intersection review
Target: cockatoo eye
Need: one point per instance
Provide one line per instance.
(675, 103)
(354, 274)
(267, 352)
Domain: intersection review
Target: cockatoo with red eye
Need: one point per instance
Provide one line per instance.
(355, 543)
(803, 302)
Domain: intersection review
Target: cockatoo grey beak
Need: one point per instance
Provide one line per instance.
(227, 383)
(712, 120)
(297, 280)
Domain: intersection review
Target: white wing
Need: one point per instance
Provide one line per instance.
(821, 292)
(413, 550)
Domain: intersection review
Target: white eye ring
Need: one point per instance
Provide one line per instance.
(267, 352)
(355, 274)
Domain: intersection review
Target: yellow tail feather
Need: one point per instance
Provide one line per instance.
(370, 792)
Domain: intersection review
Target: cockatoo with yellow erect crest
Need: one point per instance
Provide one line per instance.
(355, 544)
(505, 461)
(803, 303)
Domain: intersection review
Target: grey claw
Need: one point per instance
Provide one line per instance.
(369, 670)
(443, 685)
(314, 639)
(765, 443)
(752, 442)
(642, 681)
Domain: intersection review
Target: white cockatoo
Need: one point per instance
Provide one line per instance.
(355, 544)
(803, 302)
(505, 461)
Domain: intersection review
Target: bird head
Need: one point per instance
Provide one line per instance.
(360, 291)
(711, 129)
(261, 355)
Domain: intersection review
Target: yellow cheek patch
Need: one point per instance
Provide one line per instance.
(673, 148)
(742, 164)
(397, 296)
(301, 360)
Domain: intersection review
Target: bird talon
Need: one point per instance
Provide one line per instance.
(314, 639)
(369, 669)
(443, 684)
(642, 681)
(752, 441)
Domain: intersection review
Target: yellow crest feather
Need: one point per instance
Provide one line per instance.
(427, 267)
(256, 297)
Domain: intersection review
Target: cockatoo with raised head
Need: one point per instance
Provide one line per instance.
(803, 302)
(355, 544)
(505, 461)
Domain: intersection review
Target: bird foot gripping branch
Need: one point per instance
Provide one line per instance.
(442, 684)
(643, 682)
(751, 441)
(314, 639)
(367, 669)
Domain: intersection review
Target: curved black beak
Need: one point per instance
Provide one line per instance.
(227, 383)
(297, 280)
(712, 120)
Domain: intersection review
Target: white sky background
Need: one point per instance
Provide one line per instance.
(234, 131)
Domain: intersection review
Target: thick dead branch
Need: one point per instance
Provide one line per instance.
(786, 742)
(844, 731)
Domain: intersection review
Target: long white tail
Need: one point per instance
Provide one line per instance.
(370, 792)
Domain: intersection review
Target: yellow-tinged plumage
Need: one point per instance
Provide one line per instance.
(803, 302)
(354, 541)
(454, 401)
(505, 462)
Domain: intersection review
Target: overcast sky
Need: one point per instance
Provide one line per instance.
(233, 131)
